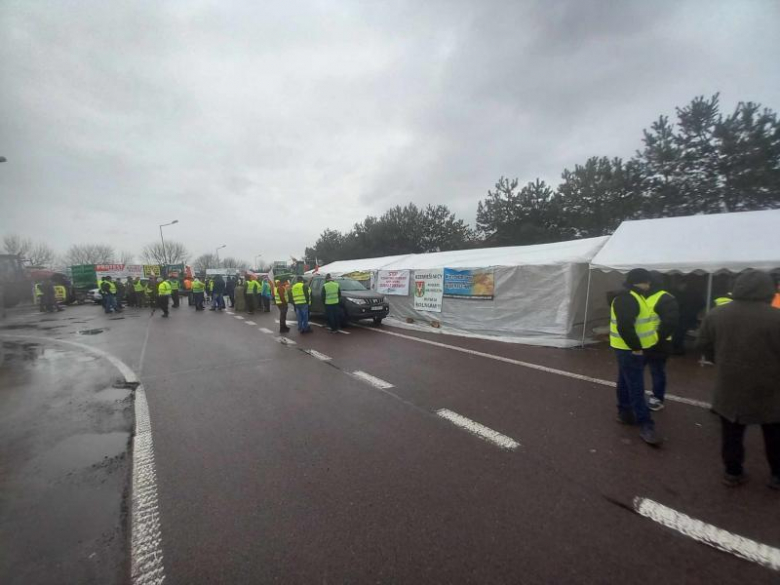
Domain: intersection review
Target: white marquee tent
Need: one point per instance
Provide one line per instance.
(539, 292)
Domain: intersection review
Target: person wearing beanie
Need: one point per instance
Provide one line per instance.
(632, 330)
(742, 338)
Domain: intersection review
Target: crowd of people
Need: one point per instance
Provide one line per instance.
(740, 336)
(248, 293)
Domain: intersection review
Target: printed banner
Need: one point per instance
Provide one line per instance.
(476, 284)
(151, 270)
(393, 282)
(428, 290)
(113, 270)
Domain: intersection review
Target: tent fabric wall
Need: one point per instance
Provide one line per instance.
(539, 291)
(697, 243)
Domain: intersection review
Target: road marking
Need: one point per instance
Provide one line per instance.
(479, 430)
(343, 332)
(316, 324)
(285, 341)
(373, 380)
(744, 548)
(532, 366)
(238, 317)
(146, 557)
(249, 323)
(265, 330)
(320, 356)
(286, 321)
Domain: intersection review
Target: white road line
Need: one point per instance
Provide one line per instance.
(373, 380)
(265, 330)
(146, 557)
(285, 341)
(286, 321)
(238, 317)
(479, 430)
(670, 397)
(343, 332)
(744, 548)
(320, 356)
(249, 323)
(316, 324)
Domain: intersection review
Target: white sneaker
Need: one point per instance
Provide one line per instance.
(654, 404)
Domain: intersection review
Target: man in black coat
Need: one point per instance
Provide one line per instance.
(742, 338)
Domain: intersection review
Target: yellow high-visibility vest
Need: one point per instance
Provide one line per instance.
(722, 301)
(198, 286)
(164, 290)
(331, 289)
(299, 297)
(652, 301)
(644, 326)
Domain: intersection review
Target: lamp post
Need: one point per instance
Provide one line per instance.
(165, 256)
(256, 257)
(217, 252)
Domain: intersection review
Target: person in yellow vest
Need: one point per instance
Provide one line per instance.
(108, 290)
(331, 295)
(632, 331)
(39, 297)
(250, 294)
(280, 298)
(198, 293)
(300, 297)
(723, 300)
(173, 280)
(140, 293)
(164, 292)
(666, 316)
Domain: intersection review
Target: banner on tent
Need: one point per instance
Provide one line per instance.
(428, 290)
(393, 282)
(476, 284)
(124, 270)
(151, 270)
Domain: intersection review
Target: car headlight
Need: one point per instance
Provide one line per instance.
(357, 301)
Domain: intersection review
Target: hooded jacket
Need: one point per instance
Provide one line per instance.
(743, 339)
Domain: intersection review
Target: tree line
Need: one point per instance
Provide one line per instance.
(36, 254)
(705, 162)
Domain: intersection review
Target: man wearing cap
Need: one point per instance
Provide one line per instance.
(632, 331)
(331, 294)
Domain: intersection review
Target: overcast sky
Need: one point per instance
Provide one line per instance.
(258, 124)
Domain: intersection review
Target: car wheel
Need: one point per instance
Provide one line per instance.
(378, 320)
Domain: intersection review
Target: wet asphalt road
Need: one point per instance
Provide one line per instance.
(274, 466)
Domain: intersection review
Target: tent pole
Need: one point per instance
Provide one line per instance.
(709, 292)
(587, 301)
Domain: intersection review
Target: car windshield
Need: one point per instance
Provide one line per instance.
(348, 284)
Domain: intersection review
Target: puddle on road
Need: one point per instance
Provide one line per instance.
(78, 452)
(113, 394)
(91, 331)
(25, 352)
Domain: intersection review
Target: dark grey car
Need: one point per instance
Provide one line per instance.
(357, 303)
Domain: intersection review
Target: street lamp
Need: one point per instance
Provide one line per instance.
(217, 252)
(165, 256)
(256, 257)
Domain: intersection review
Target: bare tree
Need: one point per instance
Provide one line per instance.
(126, 257)
(17, 245)
(40, 255)
(175, 253)
(205, 261)
(90, 254)
(231, 262)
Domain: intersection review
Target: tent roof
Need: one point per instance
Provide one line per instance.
(575, 251)
(707, 243)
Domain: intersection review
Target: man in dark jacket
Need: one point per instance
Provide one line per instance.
(743, 339)
(217, 292)
(666, 314)
(631, 332)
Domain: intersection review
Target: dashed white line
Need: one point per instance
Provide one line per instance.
(744, 548)
(238, 317)
(343, 332)
(249, 323)
(320, 356)
(373, 380)
(316, 324)
(479, 430)
(285, 341)
(532, 366)
(265, 330)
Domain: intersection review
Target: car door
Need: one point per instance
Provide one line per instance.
(317, 302)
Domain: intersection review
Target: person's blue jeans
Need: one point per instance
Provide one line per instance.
(657, 367)
(302, 313)
(110, 303)
(217, 301)
(631, 387)
(332, 315)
